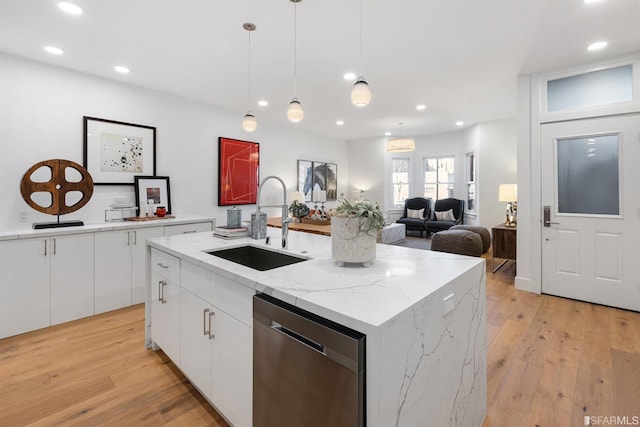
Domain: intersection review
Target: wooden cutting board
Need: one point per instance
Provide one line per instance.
(147, 218)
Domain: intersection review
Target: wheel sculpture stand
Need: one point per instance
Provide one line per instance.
(58, 187)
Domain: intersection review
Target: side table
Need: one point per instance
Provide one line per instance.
(504, 244)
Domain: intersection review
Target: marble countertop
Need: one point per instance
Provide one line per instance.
(356, 296)
(28, 232)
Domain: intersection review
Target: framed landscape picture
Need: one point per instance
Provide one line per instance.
(238, 172)
(115, 152)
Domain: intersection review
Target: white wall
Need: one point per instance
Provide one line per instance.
(41, 110)
(494, 144)
(367, 169)
(496, 164)
(370, 165)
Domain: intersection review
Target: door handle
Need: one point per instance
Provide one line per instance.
(204, 321)
(547, 217)
(211, 314)
(161, 288)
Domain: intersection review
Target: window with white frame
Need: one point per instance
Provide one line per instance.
(470, 178)
(400, 180)
(439, 177)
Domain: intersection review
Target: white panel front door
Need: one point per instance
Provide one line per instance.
(591, 217)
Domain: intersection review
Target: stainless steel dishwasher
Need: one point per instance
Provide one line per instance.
(307, 371)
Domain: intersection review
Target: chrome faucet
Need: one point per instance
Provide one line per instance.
(285, 211)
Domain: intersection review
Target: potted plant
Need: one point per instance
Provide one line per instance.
(354, 228)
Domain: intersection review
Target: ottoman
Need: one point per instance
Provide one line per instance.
(392, 233)
(483, 232)
(461, 242)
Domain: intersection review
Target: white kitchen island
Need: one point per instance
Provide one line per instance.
(423, 367)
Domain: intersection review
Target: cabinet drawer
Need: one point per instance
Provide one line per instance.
(233, 298)
(172, 230)
(167, 266)
(196, 280)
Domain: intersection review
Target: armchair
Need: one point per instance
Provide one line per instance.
(412, 218)
(434, 224)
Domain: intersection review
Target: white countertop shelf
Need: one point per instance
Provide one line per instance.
(29, 233)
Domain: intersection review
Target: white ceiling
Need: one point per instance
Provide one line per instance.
(459, 57)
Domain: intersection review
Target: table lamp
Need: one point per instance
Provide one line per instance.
(509, 193)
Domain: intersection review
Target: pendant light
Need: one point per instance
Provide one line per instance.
(249, 120)
(402, 144)
(360, 93)
(295, 113)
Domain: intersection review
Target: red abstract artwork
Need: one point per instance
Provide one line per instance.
(238, 167)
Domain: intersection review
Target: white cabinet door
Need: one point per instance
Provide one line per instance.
(232, 361)
(165, 316)
(232, 369)
(71, 277)
(196, 227)
(138, 261)
(24, 286)
(113, 270)
(197, 320)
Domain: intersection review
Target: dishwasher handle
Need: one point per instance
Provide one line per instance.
(297, 337)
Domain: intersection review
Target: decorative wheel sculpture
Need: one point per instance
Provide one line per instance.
(58, 186)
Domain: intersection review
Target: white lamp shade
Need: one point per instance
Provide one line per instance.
(295, 113)
(296, 196)
(360, 93)
(401, 145)
(249, 122)
(508, 193)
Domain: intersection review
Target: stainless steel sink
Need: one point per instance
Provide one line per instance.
(256, 258)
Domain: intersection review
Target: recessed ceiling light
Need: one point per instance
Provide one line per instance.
(421, 107)
(459, 123)
(597, 46)
(387, 134)
(340, 122)
(54, 50)
(263, 103)
(121, 69)
(70, 8)
(349, 76)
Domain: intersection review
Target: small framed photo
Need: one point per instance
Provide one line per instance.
(116, 152)
(151, 192)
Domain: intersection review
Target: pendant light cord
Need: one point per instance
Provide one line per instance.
(249, 69)
(295, 45)
(361, 62)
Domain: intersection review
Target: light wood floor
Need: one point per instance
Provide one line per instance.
(551, 361)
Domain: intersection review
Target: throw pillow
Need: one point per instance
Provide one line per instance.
(445, 215)
(415, 213)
